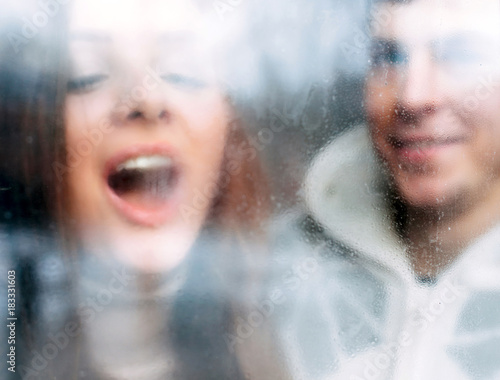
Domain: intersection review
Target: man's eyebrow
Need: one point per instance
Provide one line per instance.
(381, 45)
(461, 38)
(385, 42)
(89, 36)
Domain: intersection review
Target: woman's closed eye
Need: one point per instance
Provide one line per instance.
(184, 81)
(86, 83)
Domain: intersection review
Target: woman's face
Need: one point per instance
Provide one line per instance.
(146, 127)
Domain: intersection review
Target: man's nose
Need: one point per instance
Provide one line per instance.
(419, 87)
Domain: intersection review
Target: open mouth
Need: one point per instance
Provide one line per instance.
(142, 186)
(146, 181)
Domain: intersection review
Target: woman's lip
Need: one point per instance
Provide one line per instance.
(132, 212)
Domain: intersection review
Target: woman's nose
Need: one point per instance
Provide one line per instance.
(143, 100)
(151, 110)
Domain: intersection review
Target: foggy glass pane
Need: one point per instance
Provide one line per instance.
(229, 189)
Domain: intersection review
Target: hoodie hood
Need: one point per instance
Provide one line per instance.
(363, 302)
(346, 192)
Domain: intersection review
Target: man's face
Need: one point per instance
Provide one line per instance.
(433, 99)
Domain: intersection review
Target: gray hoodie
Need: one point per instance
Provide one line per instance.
(347, 305)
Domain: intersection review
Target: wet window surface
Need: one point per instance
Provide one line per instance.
(238, 190)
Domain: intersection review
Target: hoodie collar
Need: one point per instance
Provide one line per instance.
(346, 192)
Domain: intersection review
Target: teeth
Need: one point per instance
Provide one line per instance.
(145, 163)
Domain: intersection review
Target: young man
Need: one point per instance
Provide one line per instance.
(405, 283)
(432, 102)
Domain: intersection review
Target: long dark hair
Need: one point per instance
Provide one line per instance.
(29, 114)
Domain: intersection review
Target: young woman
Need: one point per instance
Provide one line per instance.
(159, 192)
(152, 153)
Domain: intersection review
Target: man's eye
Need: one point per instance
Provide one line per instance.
(185, 81)
(388, 53)
(85, 83)
(459, 56)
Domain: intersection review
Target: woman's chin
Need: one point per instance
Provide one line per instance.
(152, 261)
(154, 252)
